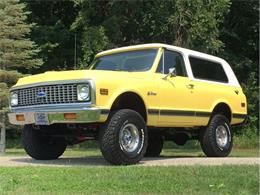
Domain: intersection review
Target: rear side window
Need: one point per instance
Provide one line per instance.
(207, 70)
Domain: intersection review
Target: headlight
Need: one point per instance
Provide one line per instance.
(14, 99)
(83, 92)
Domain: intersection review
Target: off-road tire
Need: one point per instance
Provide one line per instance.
(208, 140)
(155, 145)
(42, 147)
(109, 137)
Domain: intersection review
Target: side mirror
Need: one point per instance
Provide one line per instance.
(172, 73)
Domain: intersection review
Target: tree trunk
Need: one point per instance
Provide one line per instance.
(2, 138)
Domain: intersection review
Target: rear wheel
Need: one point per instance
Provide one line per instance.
(123, 139)
(40, 146)
(217, 138)
(155, 145)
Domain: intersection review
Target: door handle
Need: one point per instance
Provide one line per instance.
(236, 91)
(190, 86)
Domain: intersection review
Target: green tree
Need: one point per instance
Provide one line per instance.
(190, 23)
(240, 34)
(16, 49)
(52, 32)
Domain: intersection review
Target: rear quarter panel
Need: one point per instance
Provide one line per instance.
(209, 95)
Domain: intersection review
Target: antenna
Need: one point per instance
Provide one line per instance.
(75, 50)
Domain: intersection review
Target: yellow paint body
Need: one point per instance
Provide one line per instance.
(171, 93)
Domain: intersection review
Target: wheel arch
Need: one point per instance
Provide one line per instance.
(222, 108)
(121, 101)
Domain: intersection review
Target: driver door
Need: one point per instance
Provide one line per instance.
(177, 103)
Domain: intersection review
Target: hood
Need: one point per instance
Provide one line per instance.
(75, 75)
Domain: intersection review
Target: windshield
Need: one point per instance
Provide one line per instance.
(131, 61)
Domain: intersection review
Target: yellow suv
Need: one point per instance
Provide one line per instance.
(131, 100)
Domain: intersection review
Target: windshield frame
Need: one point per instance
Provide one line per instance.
(154, 62)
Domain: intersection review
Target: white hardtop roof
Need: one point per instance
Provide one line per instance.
(158, 45)
(186, 52)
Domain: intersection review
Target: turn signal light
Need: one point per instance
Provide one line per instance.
(20, 117)
(103, 91)
(70, 116)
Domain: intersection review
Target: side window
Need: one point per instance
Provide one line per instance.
(171, 59)
(207, 70)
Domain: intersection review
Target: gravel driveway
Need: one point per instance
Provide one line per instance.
(99, 161)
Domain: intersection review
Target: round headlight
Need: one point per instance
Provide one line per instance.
(14, 99)
(83, 92)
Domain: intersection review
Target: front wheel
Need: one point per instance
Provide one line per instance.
(217, 138)
(123, 139)
(40, 146)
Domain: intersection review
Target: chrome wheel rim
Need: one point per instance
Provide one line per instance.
(221, 136)
(129, 138)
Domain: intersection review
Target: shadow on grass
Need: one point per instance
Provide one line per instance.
(64, 161)
(85, 161)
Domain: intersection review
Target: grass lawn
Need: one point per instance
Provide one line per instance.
(130, 180)
(224, 179)
(173, 152)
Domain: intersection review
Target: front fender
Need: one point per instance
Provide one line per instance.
(122, 91)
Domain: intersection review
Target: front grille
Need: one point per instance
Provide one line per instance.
(48, 94)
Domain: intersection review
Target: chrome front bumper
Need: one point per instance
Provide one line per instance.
(83, 115)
